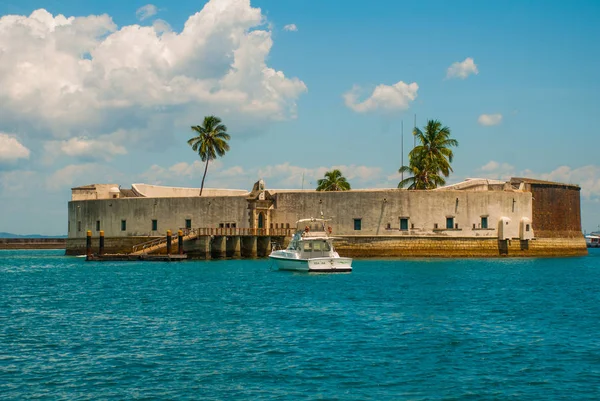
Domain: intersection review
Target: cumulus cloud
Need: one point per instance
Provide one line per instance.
(81, 174)
(11, 149)
(490, 119)
(587, 177)
(146, 11)
(60, 76)
(462, 69)
(290, 28)
(384, 97)
(83, 148)
(279, 176)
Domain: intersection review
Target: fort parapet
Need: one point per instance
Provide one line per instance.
(474, 218)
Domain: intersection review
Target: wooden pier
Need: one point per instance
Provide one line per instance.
(200, 243)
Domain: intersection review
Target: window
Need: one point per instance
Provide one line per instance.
(403, 224)
(226, 225)
(276, 225)
(357, 224)
(154, 225)
(79, 226)
(287, 225)
(97, 225)
(484, 222)
(527, 227)
(221, 225)
(412, 226)
(188, 223)
(307, 247)
(233, 225)
(435, 226)
(123, 225)
(389, 226)
(271, 225)
(449, 223)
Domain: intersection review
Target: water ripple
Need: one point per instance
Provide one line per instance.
(417, 329)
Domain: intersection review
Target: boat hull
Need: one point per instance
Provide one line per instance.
(322, 265)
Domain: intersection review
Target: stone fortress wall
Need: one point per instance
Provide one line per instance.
(476, 217)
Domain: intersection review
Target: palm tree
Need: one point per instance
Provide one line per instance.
(333, 181)
(211, 141)
(431, 159)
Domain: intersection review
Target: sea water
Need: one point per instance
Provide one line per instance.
(236, 329)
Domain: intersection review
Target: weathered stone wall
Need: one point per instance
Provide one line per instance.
(33, 243)
(556, 211)
(138, 213)
(76, 246)
(424, 209)
(407, 247)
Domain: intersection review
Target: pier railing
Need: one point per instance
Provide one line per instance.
(191, 233)
(238, 231)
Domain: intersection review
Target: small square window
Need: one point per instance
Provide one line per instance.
(154, 225)
(449, 223)
(403, 224)
(357, 224)
(221, 225)
(233, 225)
(484, 222)
(123, 225)
(226, 225)
(97, 225)
(188, 223)
(389, 226)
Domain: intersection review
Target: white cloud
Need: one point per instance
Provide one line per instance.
(490, 119)
(11, 149)
(83, 148)
(146, 11)
(62, 76)
(496, 170)
(290, 28)
(384, 97)
(81, 174)
(281, 176)
(587, 177)
(462, 69)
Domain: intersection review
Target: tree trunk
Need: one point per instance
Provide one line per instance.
(203, 177)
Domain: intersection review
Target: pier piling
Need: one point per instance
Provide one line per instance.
(169, 244)
(88, 244)
(101, 246)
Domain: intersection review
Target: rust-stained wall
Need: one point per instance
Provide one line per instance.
(556, 211)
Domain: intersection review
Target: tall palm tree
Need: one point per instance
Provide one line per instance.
(211, 141)
(431, 159)
(333, 181)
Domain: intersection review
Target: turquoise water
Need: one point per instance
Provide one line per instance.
(421, 329)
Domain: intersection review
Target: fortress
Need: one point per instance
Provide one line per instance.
(474, 218)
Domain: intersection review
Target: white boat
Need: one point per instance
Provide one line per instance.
(593, 240)
(311, 250)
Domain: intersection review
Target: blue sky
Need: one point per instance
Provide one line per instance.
(108, 96)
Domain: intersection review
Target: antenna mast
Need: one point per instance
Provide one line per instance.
(402, 147)
(414, 137)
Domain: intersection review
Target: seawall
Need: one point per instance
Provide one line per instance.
(368, 247)
(33, 243)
